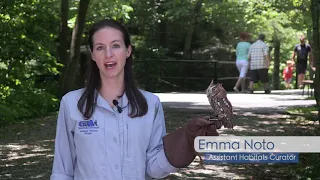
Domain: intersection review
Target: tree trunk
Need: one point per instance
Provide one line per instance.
(63, 38)
(162, 33)
(73, 65)
(162, 26)
(315, 5)
(64, 30)
(187, 46)
(276, 68)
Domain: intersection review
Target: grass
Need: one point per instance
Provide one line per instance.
(310, 98)
(26, 148)
(303, 111)
(309, 113)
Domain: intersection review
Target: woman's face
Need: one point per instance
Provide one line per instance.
(109, 52)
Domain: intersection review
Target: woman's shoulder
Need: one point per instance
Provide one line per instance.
(247, 43)
(73, 96)
(150, 97)
(243, 43)
(69, 102)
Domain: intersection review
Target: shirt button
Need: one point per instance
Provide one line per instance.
(115, 140)
(116, 166)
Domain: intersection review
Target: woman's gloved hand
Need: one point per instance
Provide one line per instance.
(179, 144)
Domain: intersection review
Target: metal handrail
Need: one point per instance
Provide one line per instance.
(215, 62)
(187, 60)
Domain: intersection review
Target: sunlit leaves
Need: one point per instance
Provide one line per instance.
(72, 22)
(123, 12)
(116, 9)
(4, 91)
(5, 17)
(297, 2)
(27, 42)
(17, 81)
(3, 66)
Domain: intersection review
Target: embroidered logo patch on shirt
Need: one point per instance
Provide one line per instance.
(88, 127)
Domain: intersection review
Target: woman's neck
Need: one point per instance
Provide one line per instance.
(111, 89)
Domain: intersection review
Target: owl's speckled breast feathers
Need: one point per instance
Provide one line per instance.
(222, 107)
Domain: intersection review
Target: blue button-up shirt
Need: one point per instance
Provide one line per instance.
(110, 145)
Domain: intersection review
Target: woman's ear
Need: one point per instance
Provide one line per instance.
(92, 56)
(129, 51)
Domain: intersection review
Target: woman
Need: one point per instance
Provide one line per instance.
(242, 61)
(110, 129)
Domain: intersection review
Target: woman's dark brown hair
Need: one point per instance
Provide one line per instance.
(244, 36)
(87, 102)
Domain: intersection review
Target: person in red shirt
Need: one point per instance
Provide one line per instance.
(287, 73)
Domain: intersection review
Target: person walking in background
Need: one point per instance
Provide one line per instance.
(259, 62)
(242, 64)
(302, 51)
(287, 73)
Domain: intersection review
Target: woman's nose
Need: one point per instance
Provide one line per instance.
(109, 52)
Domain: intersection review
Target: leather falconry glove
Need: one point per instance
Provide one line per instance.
(179, 144)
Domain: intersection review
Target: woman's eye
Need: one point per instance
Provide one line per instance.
(99, 48)
(116, 46)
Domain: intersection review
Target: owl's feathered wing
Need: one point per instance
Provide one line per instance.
(222, 107)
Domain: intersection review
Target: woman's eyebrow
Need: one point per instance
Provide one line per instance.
(111, 42)
(115, 41)
(98, 44)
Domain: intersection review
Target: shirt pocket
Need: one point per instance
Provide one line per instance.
(133, 162)
(137, 134)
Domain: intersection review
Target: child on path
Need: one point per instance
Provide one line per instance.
(287, 73)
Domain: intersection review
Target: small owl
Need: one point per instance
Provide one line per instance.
(222, 108)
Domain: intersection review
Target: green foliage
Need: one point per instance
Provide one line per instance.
(28, 42)
(27, 49)
(308, 167)
(309, 163)
(23, 104)
(304, 110)
(116, 9)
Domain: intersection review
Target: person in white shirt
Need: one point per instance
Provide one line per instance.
(110, 130)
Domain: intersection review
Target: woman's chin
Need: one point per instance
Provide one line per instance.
(112, 74)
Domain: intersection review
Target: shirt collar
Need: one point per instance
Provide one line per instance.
(123, 101)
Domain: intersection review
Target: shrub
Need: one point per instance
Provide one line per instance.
(23, 104)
